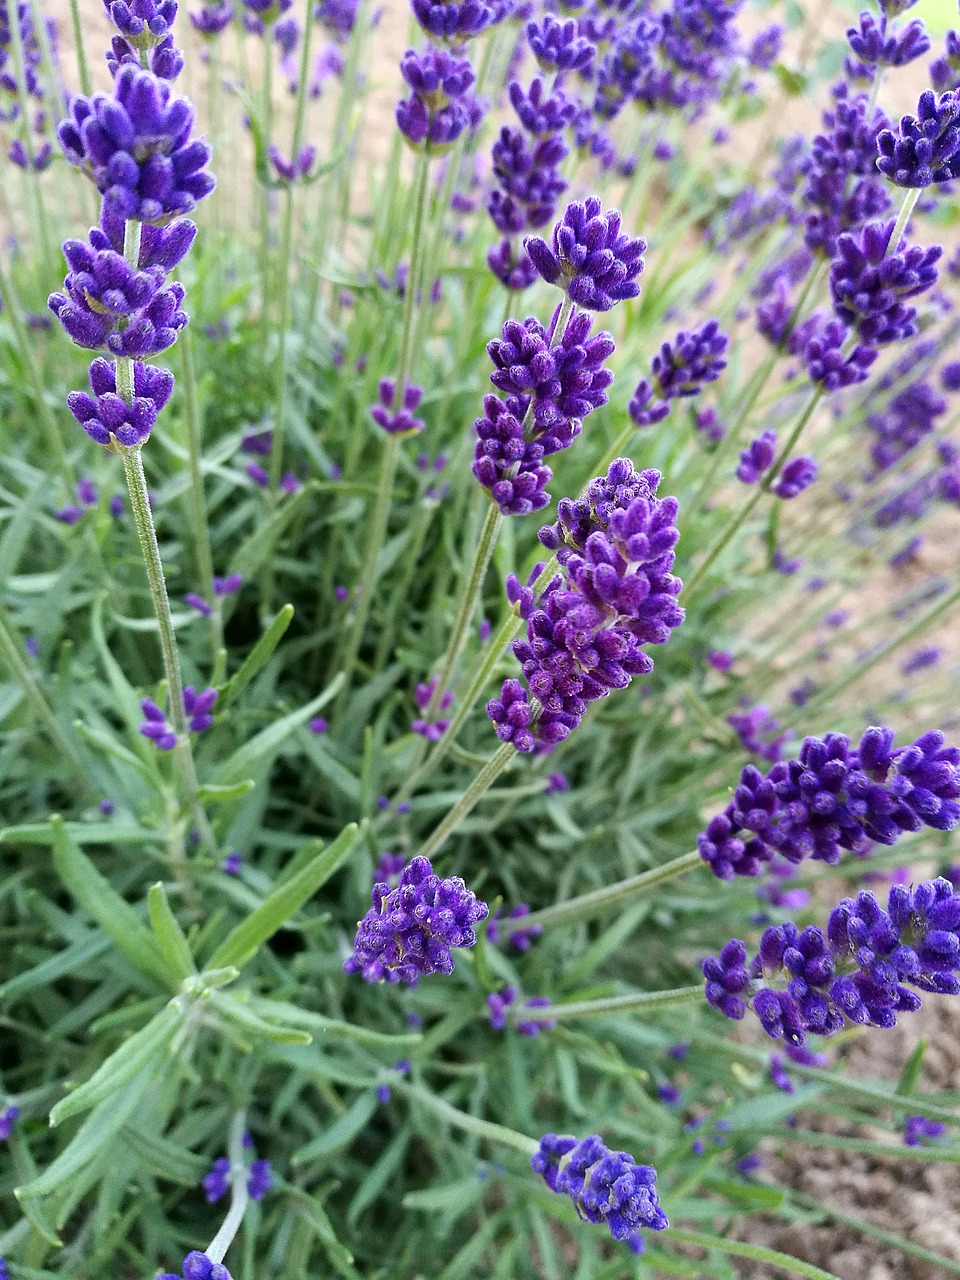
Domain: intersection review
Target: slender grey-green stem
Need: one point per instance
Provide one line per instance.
(10, 651)
(283, 270)
(760, 490)
(239, 1192)
(587, 905)
(83, 68)
(483, 670)
(267, 122)
(911, 196)
(643, 1001)
(198, 500)
(31, 366)
(379, 519)
(482, 783)
(147, 536)
(468, 1123)
(750, 397)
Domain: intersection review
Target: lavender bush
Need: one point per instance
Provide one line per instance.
(472, 606)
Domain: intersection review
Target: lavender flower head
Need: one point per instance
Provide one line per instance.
(440, 107)
(607, 1187)
(870, 281)
(918, 1130)
(558, 46)
(107, 418)
(925, 148)
(197, 1266)
(400, 421)
(860, 971)
(409, 931)
(137, 148)
(8, 1117)
(757, 458)
(834, 796)
(591, 260)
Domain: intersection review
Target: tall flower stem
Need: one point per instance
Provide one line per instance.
(198, 501)
(750, 397)
(239, 1193)
(642, 1001)
(588, 905)
(379, 519)
(267, 112)
(83, 68)
(480, 676)
(147, 535)
(484, 780)
(903, 217)
(468, 1123)
(484, 552)
(728, 532)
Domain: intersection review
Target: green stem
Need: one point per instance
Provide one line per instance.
(468, 801)
(484, 669)
(587, 905)
(911, 196)
(83, 68)
(470, 1124)
(377, 529)
(751, 396)
(239, 1193)
(267, 111)
(759, 491)
(10, 651)
(638, 1000)
(198, 502)
(739, 1250)
(147, 535)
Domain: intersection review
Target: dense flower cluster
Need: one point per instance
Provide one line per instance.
(614, 594)
(440, 106)
(590, 259)
(409, 930)
(925, 148)
(607, 1187)
(860, 971)
(834, 796)
(551, 382)
(681, 368)
(197, 1266)
(870, 280)
(198, 708)
(498, 1002)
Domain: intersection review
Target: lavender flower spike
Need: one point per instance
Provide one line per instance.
(924, 148)
(197, 1266)
(860, 971)
(607, 1187)
(409, 931)
(590, 260)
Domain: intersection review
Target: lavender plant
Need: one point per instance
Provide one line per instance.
(369, 749)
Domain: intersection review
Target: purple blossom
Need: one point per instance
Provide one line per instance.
(765, 48)
(757, 458)
(541, 113)
(197, 1266)
(556, 782)
(833, 797)
(318, 725)
(258, 475)
(757, 730)
(684, 367)
(8, 1117)
(869, 283)
(797, 475)
(607, 1187)
(441, 106)
(227, 586)
(197, 602)
(409, 931)
(558, 46)
(457, 20)
(399, 421)
(591, 260)
(513, 267)
(528, 178)
(877, 46)
(145, 22)
(614, 594)
(432, 730)
(860, 970)
(925, 148)
(40, 159)
(499, 1002)
(519, 937)
(232, 863)
(164, 60)
(842, 189)
(211, 19)
(298, 166)
(920, 659)
(137, 148)
(827, 361)
(107, 417)
(918, 1130)
(198, 708)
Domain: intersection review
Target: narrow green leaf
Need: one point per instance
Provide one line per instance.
(239, 1012)
(171, 939)
(341, 1133)
(912, 1069)
(260, 655)
(793, 1266)
(144, 1048)
(164, 1157)
(256, 549)
(93, 1135)
(98, 898)
(244, 941)
(296, 1016)
(210, 793)
(341, 1259)
(453, 1196)
(80, 832)
(64, 962)
(261, 748)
